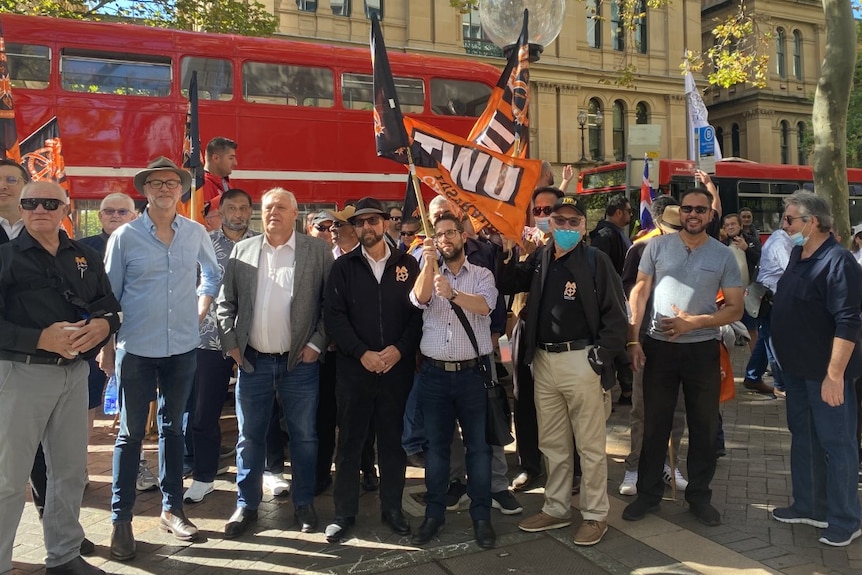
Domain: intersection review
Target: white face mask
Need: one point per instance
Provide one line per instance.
(544, 224)
(798, 239)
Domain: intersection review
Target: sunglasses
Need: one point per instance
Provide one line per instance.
(50, 204)
(395, 218)
(790, 219)
(370, 220)
(403, 233)
(322, 227)
(122, 212)
(560, 221)
(337, 224)
(697, 209)
(542, 210)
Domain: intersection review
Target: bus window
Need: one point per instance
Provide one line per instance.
(604, 179)
(282, 84)
(458, 97)
(357, 93)
(122, 74)
(215, 78)
(766, 210)
(29, 65)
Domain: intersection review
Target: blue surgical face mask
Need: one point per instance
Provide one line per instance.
(567, 239)
(544, 224)
(798, 239)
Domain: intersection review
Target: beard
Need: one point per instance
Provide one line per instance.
(453, 255)
(240, 227)
(370, 238)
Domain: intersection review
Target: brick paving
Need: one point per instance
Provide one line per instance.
(753, 478)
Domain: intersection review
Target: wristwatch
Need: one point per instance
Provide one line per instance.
(455, 293)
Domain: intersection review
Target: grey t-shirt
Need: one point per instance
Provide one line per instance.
(690, 280)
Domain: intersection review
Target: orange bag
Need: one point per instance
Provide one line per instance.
(728, 386)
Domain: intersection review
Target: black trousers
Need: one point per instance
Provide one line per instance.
(526, 426)
(696, 367)
(39, 481)
(364, 402)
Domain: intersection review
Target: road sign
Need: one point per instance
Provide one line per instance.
(705, 138)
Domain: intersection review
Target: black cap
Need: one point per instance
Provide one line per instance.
(571, 202)
(369, 206)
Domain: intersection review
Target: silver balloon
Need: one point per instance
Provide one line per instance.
(502, 20)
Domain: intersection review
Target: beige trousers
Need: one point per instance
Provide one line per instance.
(570, 400)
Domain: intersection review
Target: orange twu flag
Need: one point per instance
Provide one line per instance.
(191, 204)
(490, 187)
(42, 157)
(8, 132)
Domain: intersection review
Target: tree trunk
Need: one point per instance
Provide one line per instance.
(829, 116)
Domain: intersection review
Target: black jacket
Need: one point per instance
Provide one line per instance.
(362, 315)
(606, 237)
(604, 306)
(752, 254)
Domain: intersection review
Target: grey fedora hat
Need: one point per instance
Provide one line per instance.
(159, 164)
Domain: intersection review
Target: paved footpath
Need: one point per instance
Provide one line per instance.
(752, 479)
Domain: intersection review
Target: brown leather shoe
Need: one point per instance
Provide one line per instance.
(176, 523)
(122, 542)
(758, 386)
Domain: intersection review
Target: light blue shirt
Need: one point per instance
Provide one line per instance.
(774, 258)
(155, 284)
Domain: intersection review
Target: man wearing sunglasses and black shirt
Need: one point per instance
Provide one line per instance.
(49, 320)
(684, 273)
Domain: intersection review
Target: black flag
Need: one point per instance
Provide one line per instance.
(389, 132)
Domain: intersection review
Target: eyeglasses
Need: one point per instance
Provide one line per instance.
(395, 218)
(337, 224)
(697, 209)
(322, 227)
(159, 184)
(122, 212)
(50, 204)
(539, 210)
(405, 233)
(370, 220)
(789, 219)
(12, 180)
(560, 221)
(448, 234)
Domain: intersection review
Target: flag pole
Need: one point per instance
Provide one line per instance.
(420, 203)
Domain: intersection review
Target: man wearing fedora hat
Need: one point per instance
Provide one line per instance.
(151, 265)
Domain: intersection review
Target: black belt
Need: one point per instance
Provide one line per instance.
(35, 359)
(452, 365)
(573, 345)
(281, 355)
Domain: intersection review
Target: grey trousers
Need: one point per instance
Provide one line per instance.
(49, 404)
(637, 421)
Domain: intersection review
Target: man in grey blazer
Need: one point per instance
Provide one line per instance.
(271, 324)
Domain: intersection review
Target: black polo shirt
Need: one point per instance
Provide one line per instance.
(32, 287)
(561, 311)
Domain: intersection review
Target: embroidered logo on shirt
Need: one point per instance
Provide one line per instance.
(401, 273)
(81, 264)
(569, 291)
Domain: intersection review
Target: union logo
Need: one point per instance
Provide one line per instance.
(569, 291)
(401, 273)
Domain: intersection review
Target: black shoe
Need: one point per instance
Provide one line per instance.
(720, 452)
(484, 534)
(122, 542)
(178, 524)
(637, 509)
(239, 522)
(370, 481)
(337, 530)
(427, 531)
(416, 460)
(624, 400)
(306, 517)
(322, 484)
(456, 495)
(87, 547)
(394, 518)
(76, 566)
(705, 513)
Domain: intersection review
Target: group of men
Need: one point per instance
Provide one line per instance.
(370, 304)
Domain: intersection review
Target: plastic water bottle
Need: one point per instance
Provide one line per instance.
(112, 393)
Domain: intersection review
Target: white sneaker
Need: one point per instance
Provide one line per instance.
(197, 492)
(629, 486)
(276, 484)
(680, 481)
(146, 481)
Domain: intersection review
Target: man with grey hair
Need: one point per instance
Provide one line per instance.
(815, 330)
(271, 324)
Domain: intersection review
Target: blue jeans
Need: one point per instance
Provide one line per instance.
(298, 393)
(762, 355)
(413, 438)
(210, 391)
(824, 458)
(445, 396)
(140, 379)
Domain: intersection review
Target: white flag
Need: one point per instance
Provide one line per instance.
(698, 117)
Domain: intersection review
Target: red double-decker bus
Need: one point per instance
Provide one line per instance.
(740, 183)
(301, 113)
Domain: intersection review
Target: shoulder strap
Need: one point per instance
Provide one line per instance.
(467, 327)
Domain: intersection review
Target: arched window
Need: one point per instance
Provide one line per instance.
(784, 142)
(374, 7)
(307, 5)
(780, 51)
(594, 24)
(641, 113)
(619, 128)
(641, 27)
(595, 120)
(618, 36)
(719, 138)
(734, 141)
(797, 54)
(340, 7)
(801, 151)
